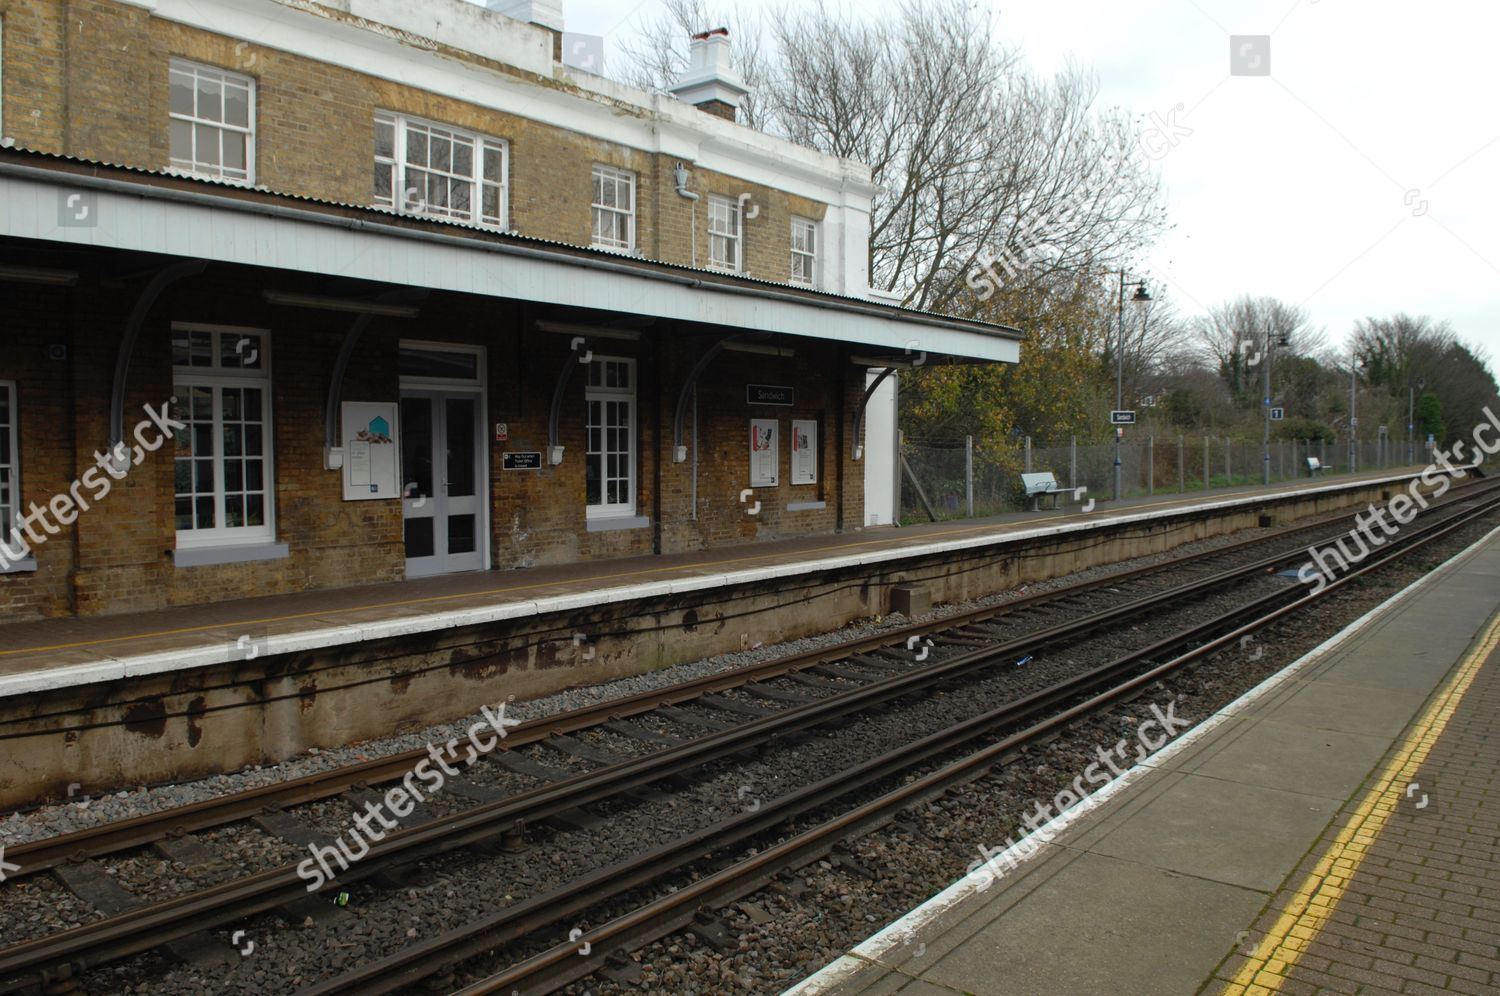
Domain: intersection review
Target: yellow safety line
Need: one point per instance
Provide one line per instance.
(1313, 902)
(104, 641)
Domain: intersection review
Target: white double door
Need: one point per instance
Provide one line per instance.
(443, 496)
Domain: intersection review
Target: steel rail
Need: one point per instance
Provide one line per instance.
(138, 831)
(146, 928)
(562, 963)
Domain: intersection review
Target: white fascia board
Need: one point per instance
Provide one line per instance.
(651, 123)
(236, 234)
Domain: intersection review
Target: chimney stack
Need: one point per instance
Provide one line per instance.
(543, 13)
(710, 83)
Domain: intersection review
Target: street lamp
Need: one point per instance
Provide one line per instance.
(1140, 298)
(1411, 419)
(1272, 341)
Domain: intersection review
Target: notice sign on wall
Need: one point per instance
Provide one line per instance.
(370, 451)
(764, 453)
(804, 452)
(522, 461)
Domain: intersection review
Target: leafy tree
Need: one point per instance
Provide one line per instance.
(1430, 418)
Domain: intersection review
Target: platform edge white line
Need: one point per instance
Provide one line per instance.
(901, 932)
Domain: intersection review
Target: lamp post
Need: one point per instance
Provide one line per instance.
(1272, 341)
(1411, 419)
(1353, 410)
(1139, 299)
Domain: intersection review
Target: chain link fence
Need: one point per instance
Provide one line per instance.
(967, 481)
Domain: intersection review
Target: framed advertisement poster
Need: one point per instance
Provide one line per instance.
(765, 457)
(804, 451)
(371, 451)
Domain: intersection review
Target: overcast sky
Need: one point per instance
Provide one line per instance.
(1360, 177)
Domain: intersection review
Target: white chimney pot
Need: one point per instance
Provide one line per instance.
(710, 75)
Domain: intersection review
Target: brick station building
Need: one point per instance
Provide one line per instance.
(423, 298)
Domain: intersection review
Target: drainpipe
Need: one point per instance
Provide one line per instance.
(680, 175)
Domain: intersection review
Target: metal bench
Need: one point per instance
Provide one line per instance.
(1316, 467)
(1037, 485)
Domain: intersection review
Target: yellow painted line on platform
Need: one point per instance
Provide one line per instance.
(513, 589)
(1314, 901)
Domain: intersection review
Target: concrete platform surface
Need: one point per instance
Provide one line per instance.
(1335, 829)
(53, 653)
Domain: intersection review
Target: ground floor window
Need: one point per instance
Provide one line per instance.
(10, 461)
(610, 462)
(223, 474)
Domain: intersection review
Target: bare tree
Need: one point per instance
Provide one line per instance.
(658, 55)
(984, 167)
(1234, 338)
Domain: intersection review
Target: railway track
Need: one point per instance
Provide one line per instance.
(882, 673)
(41, 855)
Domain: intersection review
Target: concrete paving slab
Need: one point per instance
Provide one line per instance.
(1270, 754)
(1331, 704)
(1099, 903)
(1224, 831)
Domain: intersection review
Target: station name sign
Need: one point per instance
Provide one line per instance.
(770, 394)
(1122, 418)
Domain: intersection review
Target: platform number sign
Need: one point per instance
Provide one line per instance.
(1277, 414)
(1122, 418)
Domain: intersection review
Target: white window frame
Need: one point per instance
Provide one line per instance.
(809, 227)
(219, 377)
(726, 230)
(401, 126)
(615, 175)
(593, 393)
(193, 167)
(11, 522)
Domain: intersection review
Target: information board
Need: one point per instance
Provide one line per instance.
(765, 456)
(372, 446)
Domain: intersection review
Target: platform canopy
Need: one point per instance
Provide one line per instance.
(43, 196)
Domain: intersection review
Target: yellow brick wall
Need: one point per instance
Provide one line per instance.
(89, 78)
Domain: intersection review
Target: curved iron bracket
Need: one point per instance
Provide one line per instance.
(679, 449)
(859, 413)
(578, 356)
(331, 426)
(143, 305)
(336, 388)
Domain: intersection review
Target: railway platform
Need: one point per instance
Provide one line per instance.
(164, 695)
(1335, 829)
(51, 653)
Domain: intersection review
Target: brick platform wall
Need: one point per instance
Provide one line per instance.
(119, 556)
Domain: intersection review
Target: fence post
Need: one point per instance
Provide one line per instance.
(1181, 465)
(1028, 454)
(1229, 461)
(1150, 465)
(1073, 463)
(1205, 464)
(969, 472)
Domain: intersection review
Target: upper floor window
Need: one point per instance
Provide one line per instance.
(804, 251)
(222, 384)
(724, 238)
(213, 122)
(431, 169)
(614, 208)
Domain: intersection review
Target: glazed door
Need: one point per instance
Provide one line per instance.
(441, 460)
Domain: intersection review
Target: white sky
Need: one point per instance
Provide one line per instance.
(1295, 184)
